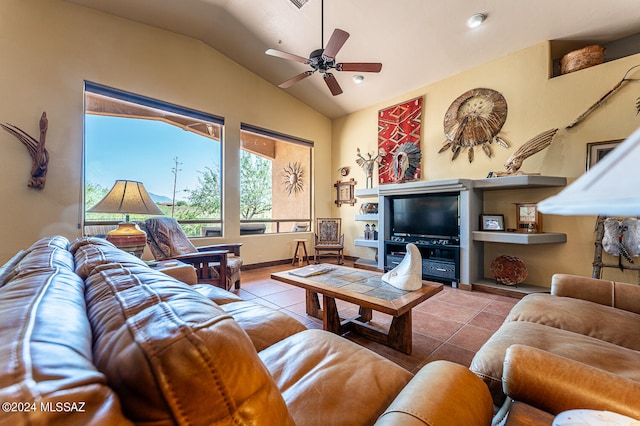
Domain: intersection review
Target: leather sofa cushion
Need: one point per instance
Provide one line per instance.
(327, 380)
(265, 326)
(90, 252)
(441, 393)
(39, 363)
(173, 356)
(602, 322)
(488, 361)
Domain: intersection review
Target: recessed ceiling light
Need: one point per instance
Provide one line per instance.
(476, 20)
(358, 78)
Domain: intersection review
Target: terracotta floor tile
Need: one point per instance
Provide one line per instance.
(487, 321)
(263, 288)
(501, 306)
(470, 337)
(452, 353)
(286, 298)
(446, 310)
(433, 326)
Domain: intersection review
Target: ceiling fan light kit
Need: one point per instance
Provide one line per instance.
(324, 61)
(476, 20)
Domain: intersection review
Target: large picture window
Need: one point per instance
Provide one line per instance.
(174, 151)
(275, 182)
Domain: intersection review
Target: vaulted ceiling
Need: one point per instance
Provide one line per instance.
(417, 41)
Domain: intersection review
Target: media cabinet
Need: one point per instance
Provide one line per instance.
(461, 262)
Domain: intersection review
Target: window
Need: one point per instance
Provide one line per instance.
(174, 151)
(275, 182)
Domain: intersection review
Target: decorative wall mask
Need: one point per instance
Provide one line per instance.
(39, 155)
(293, 178)
(474, 119)
(399, 129)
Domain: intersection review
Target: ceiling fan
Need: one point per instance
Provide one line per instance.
(324, 60)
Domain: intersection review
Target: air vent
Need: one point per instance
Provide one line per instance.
(299, 3)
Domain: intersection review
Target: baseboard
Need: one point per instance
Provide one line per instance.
(283, 262)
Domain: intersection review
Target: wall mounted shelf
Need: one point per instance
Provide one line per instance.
(519, 237)
(365, 243)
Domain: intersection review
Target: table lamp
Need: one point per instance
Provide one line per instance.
(127, 197)
(610, 188)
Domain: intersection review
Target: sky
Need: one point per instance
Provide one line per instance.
(144, 150)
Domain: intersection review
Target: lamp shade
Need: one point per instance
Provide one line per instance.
(127, 197)
(609, 188)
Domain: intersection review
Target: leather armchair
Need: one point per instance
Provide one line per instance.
(217, 264)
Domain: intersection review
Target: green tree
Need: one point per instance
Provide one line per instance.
(206, 197)
(255, 186)
(93, 193)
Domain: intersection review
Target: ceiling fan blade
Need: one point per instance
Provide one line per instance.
(359, 66)
(337, 40)
(295, 79)
(285, 55)
(332, 83)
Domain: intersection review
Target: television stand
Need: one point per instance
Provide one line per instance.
(440, 258)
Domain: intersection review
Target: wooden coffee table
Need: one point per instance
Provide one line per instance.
(367, 290)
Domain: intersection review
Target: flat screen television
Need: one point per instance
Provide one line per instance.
(425, 215)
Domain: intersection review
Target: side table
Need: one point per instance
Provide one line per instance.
(301, 246)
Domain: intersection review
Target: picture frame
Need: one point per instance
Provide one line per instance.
(596, 151)
(492, 222)
(345, 192)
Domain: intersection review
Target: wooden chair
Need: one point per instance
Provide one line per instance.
(328, 238)
(217, 264)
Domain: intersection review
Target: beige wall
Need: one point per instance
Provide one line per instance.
(535, 104)
(51, 47)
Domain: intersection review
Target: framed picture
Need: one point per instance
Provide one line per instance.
(492, 222)
(345, 192)
(596, 151)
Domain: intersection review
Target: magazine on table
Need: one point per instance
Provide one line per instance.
(310, 270)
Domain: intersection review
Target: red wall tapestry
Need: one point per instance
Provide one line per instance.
(399, 142)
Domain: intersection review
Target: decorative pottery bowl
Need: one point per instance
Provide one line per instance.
(508, 270)
(369, 208)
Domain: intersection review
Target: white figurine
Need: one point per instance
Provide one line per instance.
(408, 274)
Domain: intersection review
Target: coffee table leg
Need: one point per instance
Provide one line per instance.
(313, 304)
(400, 334)
(365, 314)
(330, 317)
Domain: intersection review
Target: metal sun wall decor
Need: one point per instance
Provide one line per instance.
(399, 129)
(39, 155)
(292, 182)
(474, 119)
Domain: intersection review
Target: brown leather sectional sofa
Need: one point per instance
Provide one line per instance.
(92, 335)
(578, 347)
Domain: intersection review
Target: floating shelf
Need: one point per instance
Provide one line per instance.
(365, 243)
(519, 182)
(367, 193)
(519, 291)
(519, 237)
(365, 217)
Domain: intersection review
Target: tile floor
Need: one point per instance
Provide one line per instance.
(451, 325)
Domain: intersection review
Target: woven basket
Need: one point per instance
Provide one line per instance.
(581, 59)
